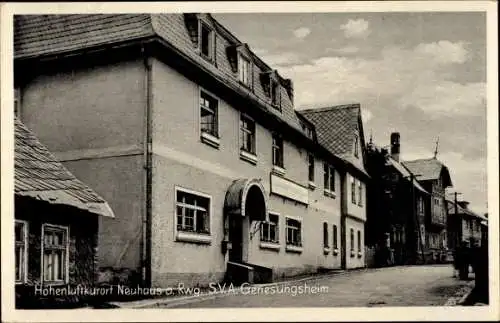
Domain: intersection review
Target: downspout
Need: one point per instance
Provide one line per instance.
(343, 216)
(147, 151)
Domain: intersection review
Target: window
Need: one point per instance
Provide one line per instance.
(244, 70)
(356, 146)
(353, 191)
(192, 213)
(310, 158)
(359, 241)
(208, 111)
(55, 253)
(329, 177)
(17, 102)
(335, 238)
(275, 94)
(21, 245)
(325, 235)
(293, 232)
(247, 135)
(277, 150)
(352, 242)
(360, 189)
(206, 41)
(269, 231)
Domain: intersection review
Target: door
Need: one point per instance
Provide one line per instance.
(236, 238)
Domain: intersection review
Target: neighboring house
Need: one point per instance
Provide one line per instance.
(396, 207)
(195, 142)
(434, 178)
(464, 225)
(56, 223)
(340, 130)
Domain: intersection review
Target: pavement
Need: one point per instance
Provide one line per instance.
(429, 285)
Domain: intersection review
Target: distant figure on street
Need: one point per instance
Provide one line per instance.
(462, 260)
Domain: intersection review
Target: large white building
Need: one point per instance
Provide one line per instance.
(195, 143)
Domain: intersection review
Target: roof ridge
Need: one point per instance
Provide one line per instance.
(331, 108)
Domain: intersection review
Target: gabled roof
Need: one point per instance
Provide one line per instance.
(336, 129)
(39, 175)
(405, 173)
(429, 169)
(460, 210)
(38, 36)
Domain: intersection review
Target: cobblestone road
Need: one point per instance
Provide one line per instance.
(394, 286)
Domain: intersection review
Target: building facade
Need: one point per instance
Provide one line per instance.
(396, 208)
(194, 142)
(56, 225)
(434, 178)
(464, 225)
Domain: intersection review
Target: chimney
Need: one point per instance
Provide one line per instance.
(395, 146)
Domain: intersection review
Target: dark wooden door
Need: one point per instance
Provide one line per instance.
(236, 238)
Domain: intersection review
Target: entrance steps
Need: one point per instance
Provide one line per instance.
(241, 272)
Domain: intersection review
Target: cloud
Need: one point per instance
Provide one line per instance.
(302, 32)
(356, 28)
(445, 51)
(366, 115)
(344, 50)
(282, 59)
(446, 97)
(406, 75)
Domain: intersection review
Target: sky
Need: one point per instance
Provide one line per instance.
(420, 74)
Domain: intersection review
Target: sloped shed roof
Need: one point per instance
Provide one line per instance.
(461, 210)
(429, 169)
(39, 175)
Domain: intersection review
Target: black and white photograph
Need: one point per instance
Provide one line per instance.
(250, 157)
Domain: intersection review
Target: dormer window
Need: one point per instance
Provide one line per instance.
(274, 92)
(244, 70)
(356, 146)
(206, 41)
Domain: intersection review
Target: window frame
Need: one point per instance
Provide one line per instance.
(297, 244)
(65, 230)
(24, 244)
(356, 146)
(194, 236)
(277, 154)
(359, 242)
(248, 80)
(211, 40)
(352, 241)
(311, 163)
(274, 93)
(252, 132)
(353, 190)
(269, 224)
(335, 238)
(211, 138)
(329, 179)
(360, 193)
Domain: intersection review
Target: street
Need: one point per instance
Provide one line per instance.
(430, 285)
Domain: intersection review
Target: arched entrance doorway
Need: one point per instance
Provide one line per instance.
(245, 202)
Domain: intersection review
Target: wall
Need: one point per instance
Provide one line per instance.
(180, 158)
(356, 259)
(83, 227)
(92, 119)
